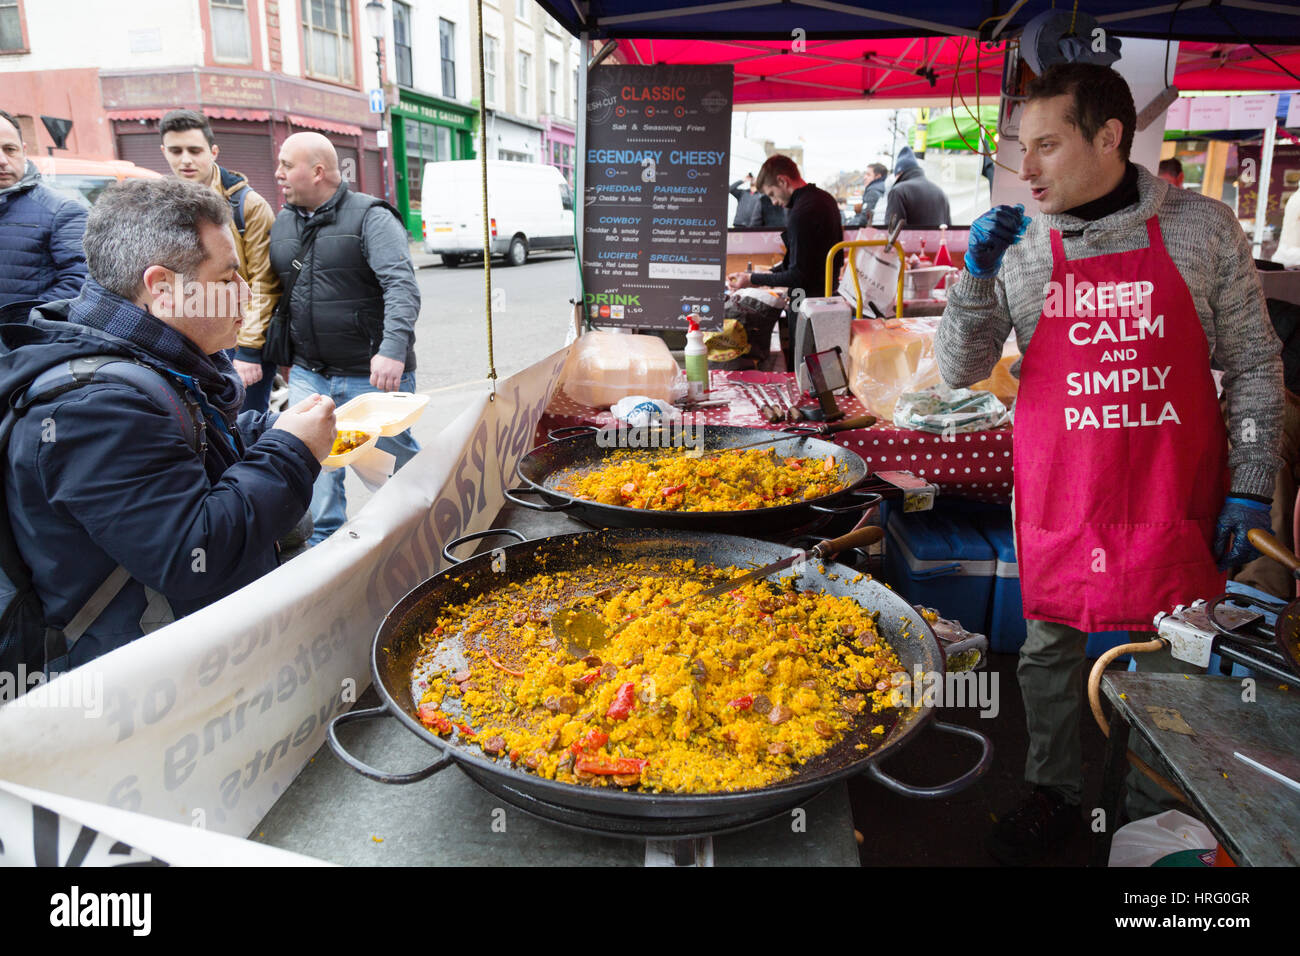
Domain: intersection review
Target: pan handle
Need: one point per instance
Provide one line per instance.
(365, 769)
(944, 789)
(555, 433)
(868, 499)
(533, 505)
(457, 542)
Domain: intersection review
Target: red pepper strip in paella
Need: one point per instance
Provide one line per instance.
(594, 740)
(623, 702)
(610, 765)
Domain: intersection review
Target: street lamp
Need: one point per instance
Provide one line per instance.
(376, 19)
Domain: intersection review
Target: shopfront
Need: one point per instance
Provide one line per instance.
(559, 145)
(426, 130)
(251, 115)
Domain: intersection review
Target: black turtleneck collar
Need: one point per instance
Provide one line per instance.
(1122, 196)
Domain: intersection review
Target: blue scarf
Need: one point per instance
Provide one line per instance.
(212, 377)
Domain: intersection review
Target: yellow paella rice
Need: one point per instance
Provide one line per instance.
(345, 441)
(730, 693)
(723, 481)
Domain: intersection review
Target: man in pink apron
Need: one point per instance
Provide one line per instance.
(1131, 496)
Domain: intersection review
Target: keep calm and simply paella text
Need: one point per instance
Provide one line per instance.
(1113, 319)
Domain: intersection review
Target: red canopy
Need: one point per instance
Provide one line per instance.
(770, 71)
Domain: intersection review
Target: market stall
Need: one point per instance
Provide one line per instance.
(213, 721)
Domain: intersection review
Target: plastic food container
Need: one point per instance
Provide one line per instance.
(606, 367)
(384, 413)
(345, 459)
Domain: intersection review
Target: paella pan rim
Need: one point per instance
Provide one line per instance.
(819, 445)
(612, 800)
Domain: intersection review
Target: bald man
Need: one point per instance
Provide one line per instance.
(350, 296)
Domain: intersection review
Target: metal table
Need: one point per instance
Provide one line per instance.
(334, 814)
(1194, 724)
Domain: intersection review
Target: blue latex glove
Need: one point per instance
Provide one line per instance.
(990, 235)
(1239, 515)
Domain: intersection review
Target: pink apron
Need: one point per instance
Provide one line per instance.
(1121, 456)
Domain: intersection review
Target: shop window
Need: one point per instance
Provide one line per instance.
(229, 31)
(327, 39)
(490, 47)
(11, 27)
(447, 48)
(402, 42)
(525, 65)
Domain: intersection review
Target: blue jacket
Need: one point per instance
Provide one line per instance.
(102, 476)
(40, 242)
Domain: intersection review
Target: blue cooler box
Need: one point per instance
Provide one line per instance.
(1006, 622)
(940, 560)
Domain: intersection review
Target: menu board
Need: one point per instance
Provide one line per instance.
(655, 204)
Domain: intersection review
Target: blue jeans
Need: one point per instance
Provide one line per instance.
(257, 397)
(329, 503)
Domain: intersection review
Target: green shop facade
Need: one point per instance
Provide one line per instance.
(426, 130)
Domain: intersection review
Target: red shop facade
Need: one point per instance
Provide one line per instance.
(251, 113)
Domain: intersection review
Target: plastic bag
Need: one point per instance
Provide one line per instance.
(885, 362)
(639, 411)
(877, 268)
(946, 411)
(1144, 842)
(604, 367)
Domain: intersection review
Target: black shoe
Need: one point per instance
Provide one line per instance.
(1035, 831)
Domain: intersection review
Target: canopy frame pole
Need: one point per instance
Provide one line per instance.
(1265, 174)
(580, 174)
(867, 14)
(890, 69)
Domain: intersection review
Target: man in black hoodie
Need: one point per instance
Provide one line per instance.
(915, 199)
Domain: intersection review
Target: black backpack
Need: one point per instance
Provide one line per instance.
(236, 201)
(27, 642)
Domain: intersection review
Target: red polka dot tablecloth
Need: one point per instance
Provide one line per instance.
(975, 465)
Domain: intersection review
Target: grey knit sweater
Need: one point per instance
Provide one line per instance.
(1213, 256)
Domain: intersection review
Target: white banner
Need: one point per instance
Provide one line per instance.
(207, 721)
(44, 829)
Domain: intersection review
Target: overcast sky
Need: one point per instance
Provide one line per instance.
(832, 140)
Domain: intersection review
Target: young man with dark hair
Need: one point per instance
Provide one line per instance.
(40, 229)
(191, 151)
(1130, 495)
(813, 226)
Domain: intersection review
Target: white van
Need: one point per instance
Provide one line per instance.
(530, 209)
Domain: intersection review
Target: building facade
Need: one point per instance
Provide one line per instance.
(530, 85)
(263, 69)
(429, 56)
(259, 69)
